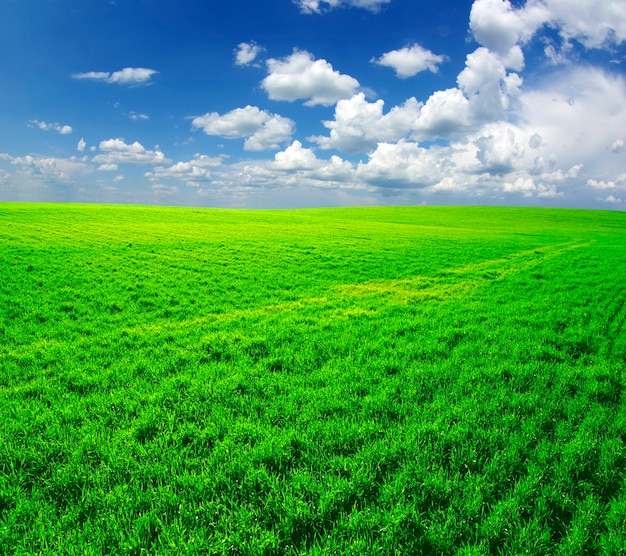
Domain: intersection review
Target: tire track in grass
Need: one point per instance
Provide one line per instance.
(457, 282)
(344, 301)
(340, 300)
(523, 259)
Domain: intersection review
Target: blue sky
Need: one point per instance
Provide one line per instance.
(286, 103)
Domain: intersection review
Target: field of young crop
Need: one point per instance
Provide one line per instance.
(357, 381)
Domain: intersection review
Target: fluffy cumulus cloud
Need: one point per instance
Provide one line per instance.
(612, 192)
(126, 76)
(502, 28)
(52, 168)
(317, 6)
(246, 53)
(528, 158)
(488, 86)
(117, 151)
(578, 113)
(567, 127)
(62, 129)
(293, 172)
(591, 23)
(618, 146)
(499, 158)
(444, 114)
(298, 167)
(191, 172)
(410, 60)
(301, 77)
(612, 199)
(262, 129)
(498, 150)
(295, 157)
(567, 131)
(163, 190)
(563, 138)
(359, 125)
(484, 95)
(401, 164)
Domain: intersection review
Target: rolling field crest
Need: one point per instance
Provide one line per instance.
(407, 380)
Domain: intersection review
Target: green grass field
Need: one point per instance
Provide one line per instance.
(335, 381)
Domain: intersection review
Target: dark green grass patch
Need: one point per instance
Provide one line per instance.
(339, 381)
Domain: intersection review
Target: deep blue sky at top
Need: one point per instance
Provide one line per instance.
(191, 46)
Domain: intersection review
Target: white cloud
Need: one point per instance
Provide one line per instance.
(595, 184)
(137, 117)
(262, 129)
(557, 56)
(496, 159)
(246, 53)
(299, 76)
(62, 129)
(241, 122)
(410, 60)
(500, 27)
(444, 114)
(359, 125)
(93, 75)
(126, 76)
(591, 23)
(525, 186)
(612, 199)
(108, 167)
(578, 113)
(528, 188)
(618, 146)
(535, 141)
(484, 95)
(166, 190)
(560, 176)
(294, 169)
(498, 150)
(274, 131)
(295, 157)
(116, 151)
(549, 191)
(563, 138)
(619, 183)
(401, 164)
(53, 168)
(317, 6)
(196, 170)
(487, 85)
(337, 173)
(80, 147)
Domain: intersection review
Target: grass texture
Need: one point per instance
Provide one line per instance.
(412, 380)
